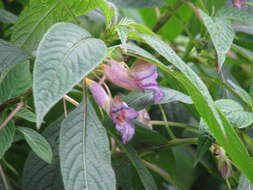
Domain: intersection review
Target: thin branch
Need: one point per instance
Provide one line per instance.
(65, 108)
(170, 132)
(175, 124)
(14, 100)
(12, 114)
(71, 100)
(159, 171)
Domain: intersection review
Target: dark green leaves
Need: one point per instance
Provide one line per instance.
(37, 143)
(84, 152)
(217, 123)
(11, 55)
(66, 54)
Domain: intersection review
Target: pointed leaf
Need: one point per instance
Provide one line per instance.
(221, 33)
(84, 152)
(66, 54)
(37, 143)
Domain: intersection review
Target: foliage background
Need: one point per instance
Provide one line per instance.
(153, 159)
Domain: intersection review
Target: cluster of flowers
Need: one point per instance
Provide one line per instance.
(238, 3)
(141, 76)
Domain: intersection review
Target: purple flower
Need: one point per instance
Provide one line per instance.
(141, 76)
(145, 75)
(121, 114)
(238, 3)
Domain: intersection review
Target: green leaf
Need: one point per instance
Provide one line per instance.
(66, 54)
(217, 123)
(235, 113)
(137, 4)
(236, 15)
(7, 17)
(244, 184)
(84, 152)
(7, 136)
(27, 115)
(140, 100)
(40, 15)
(221, 33)
(242, 93)
(37, 143)
(17, 81)
(204, 143)
(10, 55)
(40, 175)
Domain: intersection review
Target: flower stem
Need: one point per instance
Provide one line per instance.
(175, 124)
(170, 132)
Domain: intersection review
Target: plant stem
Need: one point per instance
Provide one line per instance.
(71, 100)
(159, 171)
(169, 144)
(228, 184)
(160, 23)
(12, 114)
(171, 134)
(175, 124)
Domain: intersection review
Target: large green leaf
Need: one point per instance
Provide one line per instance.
(7, 136)
(84, 152)
(17, 81)
(40, 15)
(7, 17)
(139, 100)
(66, 54)
(217, 123)
(221, 33)
(137, 4)
(235, 113)
(37, 143)
(10, 55)
(40, 175)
